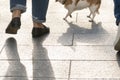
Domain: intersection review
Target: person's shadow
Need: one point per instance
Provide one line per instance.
(42, 67)
(15, 68)
(96, 28)
(118, 58)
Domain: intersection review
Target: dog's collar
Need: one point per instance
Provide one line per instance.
(64, 1)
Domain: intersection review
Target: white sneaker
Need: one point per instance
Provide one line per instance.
(117, 41)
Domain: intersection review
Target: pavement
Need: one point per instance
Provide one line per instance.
(74, 50)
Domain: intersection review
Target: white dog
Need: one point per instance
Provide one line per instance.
(72, 5)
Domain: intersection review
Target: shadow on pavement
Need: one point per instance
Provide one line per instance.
(118, 58)
(42, 67)
(15, 68)
(84, 33)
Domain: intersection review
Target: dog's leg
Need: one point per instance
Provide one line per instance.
(93, 16)
(68, 14)
(93, 12)
(89, 16)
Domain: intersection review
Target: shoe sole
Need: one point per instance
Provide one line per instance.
(11, 30)
(117, 46)
(39, 35)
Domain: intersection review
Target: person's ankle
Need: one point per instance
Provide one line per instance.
(16, 13)
(38, 25)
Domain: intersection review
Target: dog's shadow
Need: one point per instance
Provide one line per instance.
(87, 35)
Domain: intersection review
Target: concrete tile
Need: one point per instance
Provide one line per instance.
(1, 48)
(25, 78)
(97, 79)
(2, 38)
(95, 27)
(58, 69)
(35, 68)
(37, 52)
(94, 39)
(110, 28)
(51, 39)
(14, 78)
(59, 39)
(87, 28)
(95, 53)
(60, 53)
(83, 27)
(57, 25)
(95, 69)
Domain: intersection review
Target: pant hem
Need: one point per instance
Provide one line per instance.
(37, 20)
(19, 7)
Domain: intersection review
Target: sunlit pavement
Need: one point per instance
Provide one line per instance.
(74, 50)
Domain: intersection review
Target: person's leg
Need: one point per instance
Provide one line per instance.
(39, 10)
(17, 7)
(117, 11)
(117, 15)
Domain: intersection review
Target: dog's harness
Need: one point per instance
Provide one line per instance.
(64, 1)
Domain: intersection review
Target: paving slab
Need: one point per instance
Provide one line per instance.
(89, 46)
(60, 53)
(94, 39)
(97, 79)
(95, 28)
(51, 39)
(82, 27)
(25, 78)
(1, 48)
(35, 68)
(95, 69)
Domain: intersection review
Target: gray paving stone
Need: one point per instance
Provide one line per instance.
(2, 39)
(51, 39)
(37, 52)
(95, 27)
(91, 28)
(23, 78)
(1, 48)
(60, 53)
(62, 26)
(36, 69)
(94, 39)
(49, 57)
(14, 78)
(97, 79)
(95, 53)
(95, 69)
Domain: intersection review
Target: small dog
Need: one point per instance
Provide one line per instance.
(73, 5)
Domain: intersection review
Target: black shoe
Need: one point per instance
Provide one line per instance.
(118, 52)
(13, 26)
(37, 32)
(117, 46)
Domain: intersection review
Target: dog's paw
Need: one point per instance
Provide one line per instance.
(70, 16)
(64, 18)
(88, 16)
